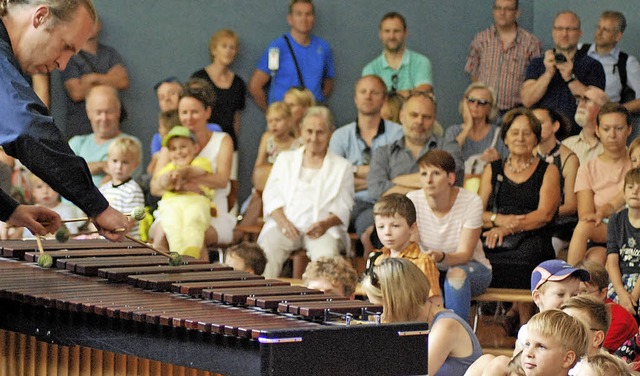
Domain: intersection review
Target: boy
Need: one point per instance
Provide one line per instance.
(594, 314)
(623, 326)
(122, 192)
(185, 215)
(247, 257)
(395, 220)
(554, 343)
(331, 275)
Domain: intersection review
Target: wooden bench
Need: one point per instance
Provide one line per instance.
(500, 295)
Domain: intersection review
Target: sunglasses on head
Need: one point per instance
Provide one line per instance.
(480, 102)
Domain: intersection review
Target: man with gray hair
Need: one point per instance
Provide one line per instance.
(37, 37)
(621, 69)
(585, 144)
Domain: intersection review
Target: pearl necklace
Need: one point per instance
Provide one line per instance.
(519, 170)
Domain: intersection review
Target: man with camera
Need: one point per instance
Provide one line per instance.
(555, 79)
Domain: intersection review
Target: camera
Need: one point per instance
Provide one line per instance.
(560, 58)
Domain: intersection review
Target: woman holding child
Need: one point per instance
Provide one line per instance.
(194, 110)
(449, 225)
(307, 198)
(520, 196)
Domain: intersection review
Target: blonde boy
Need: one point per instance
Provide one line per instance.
(122, 192)
(594, 314)
(395, 221)
(554, 343)
(185, 215)
(331, 275)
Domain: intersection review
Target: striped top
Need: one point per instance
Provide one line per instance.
(502, 69)
(124, 198)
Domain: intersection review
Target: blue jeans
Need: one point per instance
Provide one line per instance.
(477, 280)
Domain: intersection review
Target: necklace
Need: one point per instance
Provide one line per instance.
(555, 151)
(519, 170)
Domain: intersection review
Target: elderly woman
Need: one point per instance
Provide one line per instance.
(477, 137)
(520, 197)
(307, 198)
(194, 110)
(403, 290)
(449, 225)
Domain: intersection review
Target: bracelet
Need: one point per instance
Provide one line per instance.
(442, 258)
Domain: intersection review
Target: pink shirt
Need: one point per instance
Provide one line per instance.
(604, 179)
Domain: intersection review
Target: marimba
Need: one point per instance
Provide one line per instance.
(201, 316)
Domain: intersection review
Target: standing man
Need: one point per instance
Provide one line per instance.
(499, 55)
(358, 140)
(621, 69)
(297, 58)
(554, 79)
(37, 36)
(96, 64)
(401, 69)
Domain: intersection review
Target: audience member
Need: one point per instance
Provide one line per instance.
(594, 314)
(552, 151)
(331, 275)
(168, 94)
(298, 58)
(358, 140)
(602, 364)
(554, 344)
(520, 197)
(391, 107)
(103, 109)
(246, 257)
(229, 88)
(122, 192)
(623, 326)
(299, 100)
(477, 138)
(166, 121)
(623, 254)
(194, 109)
(598, 181)
(621, 69)
(395, 219)
(449, 221)
(96, 64)
(186, 215)
(403, 291)
(586, 144)
(499, 55)
(553, 80)
(402, 69)
(308, 198)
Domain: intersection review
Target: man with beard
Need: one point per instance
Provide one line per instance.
(402, 70)
(585, 144)
(553, 80)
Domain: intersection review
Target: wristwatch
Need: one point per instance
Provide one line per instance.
(573, 78)
(493, 219)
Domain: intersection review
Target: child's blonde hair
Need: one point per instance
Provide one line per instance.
(401, 286)
(279, 108)
(604, 364)
(567, 330)
(125, 146)
(303, 96)
(598, 312)
(336, 270)
(634, 145)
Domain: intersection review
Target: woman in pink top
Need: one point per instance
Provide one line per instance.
(599, 181)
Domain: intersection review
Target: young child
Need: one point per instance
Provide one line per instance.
(595, 315)
(554, 343)
(395, 220)
(122, 192)
(166, 121)
(623, 326)
(623, 246)
(602, 364)
(43, 195)
(185, 215)
(331, 275)
(298, 100)
(247, 257)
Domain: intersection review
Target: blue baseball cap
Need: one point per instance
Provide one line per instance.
(555, 270)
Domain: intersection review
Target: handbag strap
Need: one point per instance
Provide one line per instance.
(295, 60)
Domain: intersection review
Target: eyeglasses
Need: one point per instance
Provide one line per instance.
(375, 281)
(366, 156)
(567, 29)
(480, 102)
(504, 9)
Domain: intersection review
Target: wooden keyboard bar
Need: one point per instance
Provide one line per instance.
(163, 282)
(272, 302)
(194, 289)
(90, 266)
(66, 254)
(240, 295)
(122, 274)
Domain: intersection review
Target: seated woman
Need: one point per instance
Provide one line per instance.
(449, 225)
(554, 127)
(403, 290)
(194, 109)
(519, 201)
(477, 137)
(307, 198)
(599, 181)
